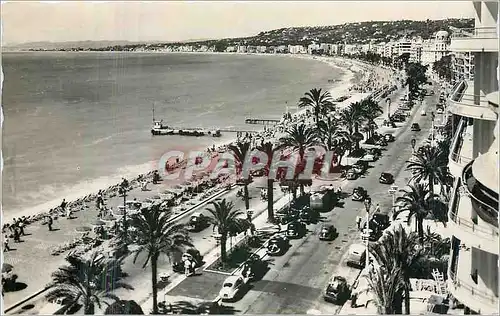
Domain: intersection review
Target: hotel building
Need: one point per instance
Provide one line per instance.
(473, 162)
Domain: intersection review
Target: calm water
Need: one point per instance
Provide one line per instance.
(77, 122)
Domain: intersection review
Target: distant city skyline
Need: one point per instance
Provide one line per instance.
(62, 21)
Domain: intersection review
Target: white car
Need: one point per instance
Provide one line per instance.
(439, 111)
(231, 287)
(423, 113)
(369, 158)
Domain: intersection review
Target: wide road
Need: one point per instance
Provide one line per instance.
(296, 280)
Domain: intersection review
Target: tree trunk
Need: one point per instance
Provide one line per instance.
(223, 239)
(154, 281)
(407, 296)
(88, 307)
(420, 230)
(302, 190)
(247, 199)
(270, 200)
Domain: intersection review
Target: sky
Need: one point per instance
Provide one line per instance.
(60, 21)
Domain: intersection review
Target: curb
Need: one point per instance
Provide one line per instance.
(26, 299)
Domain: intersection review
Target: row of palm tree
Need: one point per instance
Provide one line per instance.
(399, 253)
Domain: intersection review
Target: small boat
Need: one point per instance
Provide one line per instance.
(160, 129)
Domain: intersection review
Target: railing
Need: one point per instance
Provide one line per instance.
(460, 159)
(474, 291)
(493, 233)
(458, 91)
(480, 32)
(484, 206)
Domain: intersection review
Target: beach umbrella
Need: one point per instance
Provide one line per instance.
(98, 223)
(6, 268)
(83, 229)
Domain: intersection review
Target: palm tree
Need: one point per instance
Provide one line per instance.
(320, 101)
(417, 200)
(333, 138)
(299, 137)
(386, 285)
(85, 281)
(225, 219)
(241, 151)
(269, 149)
(352, 117)
(429, 165)
(157, 235)
(371, 110)
(397, 250)
(120, 307)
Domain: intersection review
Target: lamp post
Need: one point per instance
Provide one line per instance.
(122, 191)
(432, 129)
(388, 102)
(413, 143)
(392, 191)
(368, 204)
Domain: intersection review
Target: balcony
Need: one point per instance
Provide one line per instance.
(493, 100)
(463, 102)
(484, 39)
(461, 150)
(484, 200)
(470, 294)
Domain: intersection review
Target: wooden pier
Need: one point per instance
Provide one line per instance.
(261, 121)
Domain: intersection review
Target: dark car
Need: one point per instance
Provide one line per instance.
(382, 221)
(351, 175)
(308, 215)
(375, 152)
(327, 232)
(296, 229)
(198, 222)
(277, 246)
(359, 194)
(386, 178)
(389, 138)
(361, 165)
(337, 291)
(415, 127)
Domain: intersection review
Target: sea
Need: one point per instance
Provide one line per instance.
(75, 123)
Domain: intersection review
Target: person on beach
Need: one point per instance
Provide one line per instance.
(17, 236)
(63, 205)
(6, 243)
(49, 222)
(21, 224)
(124, 183)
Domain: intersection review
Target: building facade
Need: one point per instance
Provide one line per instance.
(434, 49)
(473, 162)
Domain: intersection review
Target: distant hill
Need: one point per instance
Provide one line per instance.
(71, 44)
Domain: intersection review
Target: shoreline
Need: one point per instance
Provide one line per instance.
(339, 88)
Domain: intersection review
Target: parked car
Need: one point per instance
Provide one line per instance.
(386, 178)
(415, 127)
(323, 201)
(277, 245)
(423, 113)
(351, 175)
(381, 142)
(375, 151)
(439, 111)
(361, 165)
(382, 221)
(356, 255)
(389, 138)
(308, 215)
(369, 157)
(359, 194)
(432, 92)
(198, 222)
(328, 232)
(337, 291)
(231, 287)
(295, 229)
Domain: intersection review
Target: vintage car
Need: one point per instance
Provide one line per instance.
(381, 142)
(198, 222)
(415, 127)
(231, 287)
(356, 255)
(386, 178)
(359, 194)
(277, 245)
(337, 291)
(351, 175)
(375, 152)
(369, 157)
(389, 138)
(360, 166)
(328, 232)
(296, 229)
(423, 113)
(308, 215)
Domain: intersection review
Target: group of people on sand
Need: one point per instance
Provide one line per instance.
(14, 231)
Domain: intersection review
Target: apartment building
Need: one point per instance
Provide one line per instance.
(463, 66)
(434, 49)
(473, 162)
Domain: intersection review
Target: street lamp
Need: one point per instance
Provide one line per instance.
(392, 191)
(432, 129)
(388, 102)
(368, 204)
(122, 191)
(413, 143)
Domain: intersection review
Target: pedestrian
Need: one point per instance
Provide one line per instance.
(16, 235)
(63, 205)
(6, 243)
(49, 222)
(358, 222)
(354, 299)
(20, 224)
(377, 208)
(252, 229)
